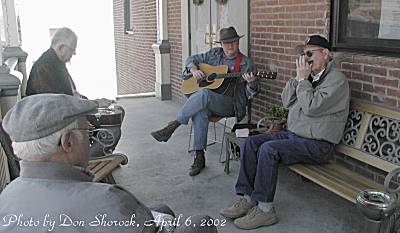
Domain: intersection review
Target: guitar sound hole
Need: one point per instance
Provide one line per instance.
(204, 83)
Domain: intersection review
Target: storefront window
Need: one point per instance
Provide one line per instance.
(367, 25)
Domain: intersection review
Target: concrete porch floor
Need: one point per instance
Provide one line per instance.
(158, 173)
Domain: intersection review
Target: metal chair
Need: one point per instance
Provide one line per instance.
(212, 141)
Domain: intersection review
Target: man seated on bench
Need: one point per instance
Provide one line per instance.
(318, 102)
(55, 192)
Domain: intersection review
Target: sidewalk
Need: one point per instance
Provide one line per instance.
(158, 173)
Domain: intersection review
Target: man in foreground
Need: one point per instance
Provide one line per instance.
(230, 99)
(318, 103)
(55, 192)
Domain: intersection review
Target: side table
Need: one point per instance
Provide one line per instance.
(232, 143)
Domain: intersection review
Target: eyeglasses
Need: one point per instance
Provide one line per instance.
(87, 131)
(310, 53)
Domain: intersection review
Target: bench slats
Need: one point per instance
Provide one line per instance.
(337, 179)
(99, 166)
(103, 166)
(111, 165)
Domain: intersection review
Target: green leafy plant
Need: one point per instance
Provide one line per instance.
(277, 112)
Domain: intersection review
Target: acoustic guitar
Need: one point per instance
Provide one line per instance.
(214, 77)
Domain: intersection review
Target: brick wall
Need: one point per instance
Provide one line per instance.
(175, 39)
(373, 78)
(276, 26)
(133, 53)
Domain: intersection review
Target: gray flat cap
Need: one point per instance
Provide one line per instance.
(38, 116)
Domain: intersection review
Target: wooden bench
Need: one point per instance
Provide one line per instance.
(102, 167)
(372, 137)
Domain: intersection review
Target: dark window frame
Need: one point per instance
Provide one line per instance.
(127, 17)
(340, 42)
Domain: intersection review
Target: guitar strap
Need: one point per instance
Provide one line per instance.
(236, 67)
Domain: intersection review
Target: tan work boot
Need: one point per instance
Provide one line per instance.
(198, 163)
(256, 218)
(165, 133)
(237, 210)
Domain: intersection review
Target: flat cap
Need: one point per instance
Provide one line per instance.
(38, 116)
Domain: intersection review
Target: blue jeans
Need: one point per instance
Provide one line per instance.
(199, 107)
(261, 154)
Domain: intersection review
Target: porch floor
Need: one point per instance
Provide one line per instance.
(158, 173)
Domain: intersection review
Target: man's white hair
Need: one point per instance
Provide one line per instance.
(63, 35)
(41, 149)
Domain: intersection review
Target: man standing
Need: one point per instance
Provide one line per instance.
(49, 73)
(318, 103)
(230, 99)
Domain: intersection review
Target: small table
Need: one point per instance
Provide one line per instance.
(232, 145)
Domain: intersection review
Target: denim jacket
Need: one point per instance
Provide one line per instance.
(242, 91)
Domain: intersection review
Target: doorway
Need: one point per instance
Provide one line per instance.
(209, 16)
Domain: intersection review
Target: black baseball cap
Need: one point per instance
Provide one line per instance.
(316, 40)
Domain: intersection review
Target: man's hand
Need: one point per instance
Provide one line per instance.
(303, 69)
(249, 77)
(198, 74)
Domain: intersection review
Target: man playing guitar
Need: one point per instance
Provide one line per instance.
(229, 99)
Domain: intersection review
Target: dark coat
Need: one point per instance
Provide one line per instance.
(49, 75)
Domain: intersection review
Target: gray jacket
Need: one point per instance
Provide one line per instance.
(62, 198)
(242, 91)
(320, 112)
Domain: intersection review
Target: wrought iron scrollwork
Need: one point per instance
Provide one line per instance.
(352, 127)
(383, 139)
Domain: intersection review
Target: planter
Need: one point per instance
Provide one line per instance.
(272, 124)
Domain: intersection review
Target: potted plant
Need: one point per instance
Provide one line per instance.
(275, 119)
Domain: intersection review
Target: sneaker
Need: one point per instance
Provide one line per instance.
(165, 133)
(237, 210)
(256, 218)
(198, 164)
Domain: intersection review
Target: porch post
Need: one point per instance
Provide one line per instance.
(162, 53)
(10, 23)
(13, 43)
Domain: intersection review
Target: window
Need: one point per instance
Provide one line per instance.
(127, 17)
(367, 25)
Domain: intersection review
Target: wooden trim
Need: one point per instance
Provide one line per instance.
(363, 130)
(365, 106)
(366, 158)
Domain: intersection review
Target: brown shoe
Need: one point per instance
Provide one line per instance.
(237, 210)
(165, 133)
(198, 163)
(256, 218)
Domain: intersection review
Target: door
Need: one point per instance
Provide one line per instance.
(208, 17)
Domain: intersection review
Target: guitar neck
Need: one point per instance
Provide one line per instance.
(230, 75)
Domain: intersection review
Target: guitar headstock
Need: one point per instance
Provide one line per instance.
(266, 74)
